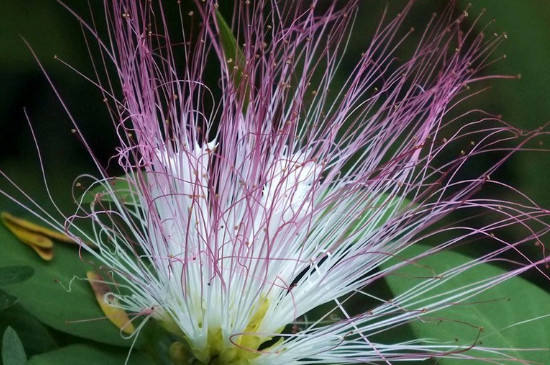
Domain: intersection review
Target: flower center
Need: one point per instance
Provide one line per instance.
(236, 349)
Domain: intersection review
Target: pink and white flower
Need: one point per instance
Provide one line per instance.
(249, 203)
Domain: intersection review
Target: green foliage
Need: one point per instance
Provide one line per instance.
(6, 300)
(118, 189)
(157, 342)
(57, 294)
(13, 352)
(15, 274)
(514, 314)
(234, 56)
(36, 338)
(81, 354)
(382, 208)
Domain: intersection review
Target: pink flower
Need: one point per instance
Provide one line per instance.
(255, 199)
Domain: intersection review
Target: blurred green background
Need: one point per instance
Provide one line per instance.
(51, 30)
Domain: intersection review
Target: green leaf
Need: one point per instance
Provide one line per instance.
(514, 314)
(377, 210)
(157, 341)
(6, 300)
(80, 354)
(35, 336)
(381, 209)
(234, 56)
(118, 189)
(13, 352)
(57, 294)
(15, 274)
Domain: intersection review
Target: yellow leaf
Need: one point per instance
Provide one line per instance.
(33, 227)
(116, 315)
(38, 242)
(45, 253)
(36, 236)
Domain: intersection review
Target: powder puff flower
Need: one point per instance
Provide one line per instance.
(253, 197)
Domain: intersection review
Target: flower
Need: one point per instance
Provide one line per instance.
(247, 205)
